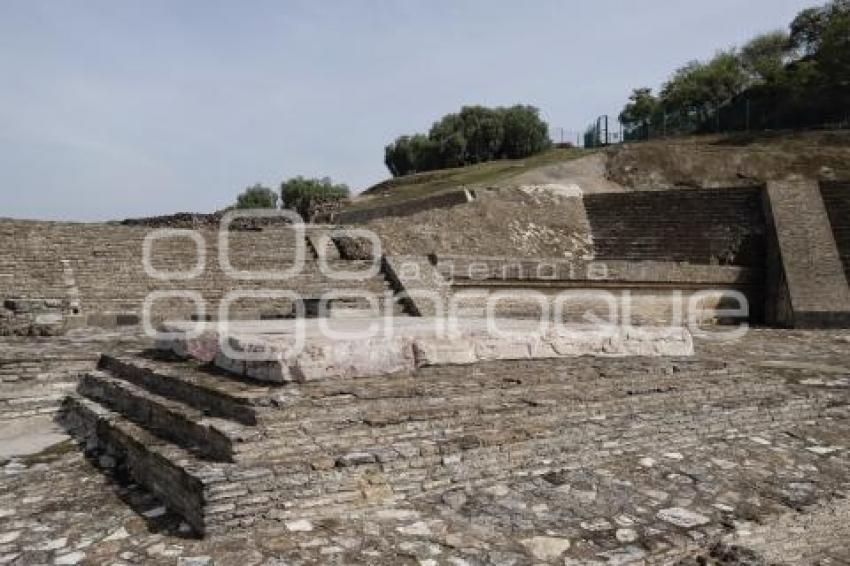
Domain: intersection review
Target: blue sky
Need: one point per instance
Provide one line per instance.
(110, 109)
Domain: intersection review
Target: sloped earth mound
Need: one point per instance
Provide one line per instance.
(719, 162)
(500, 222)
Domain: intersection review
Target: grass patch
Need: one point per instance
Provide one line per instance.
(431, 183)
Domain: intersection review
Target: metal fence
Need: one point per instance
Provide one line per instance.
(604, 131)
(743, 114)
(564, 136)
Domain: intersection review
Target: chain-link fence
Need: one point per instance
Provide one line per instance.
(752, 113)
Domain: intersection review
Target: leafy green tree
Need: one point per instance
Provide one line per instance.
(525, 132)
(449, 137)
(398, 157)
(411, 154)
(484, 132)
(724, 77)
(703, 87)
(776, 80)
(810, 25)
(683, 91)
(305, 195)
(764, 57)
(833, 55)
(257, 196)
(806, 30)
(474, 135)
(641, 108)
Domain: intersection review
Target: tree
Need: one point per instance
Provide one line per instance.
(257, 196)
(808, 28)
(703, 87)
(724, 78)
(398, 157)
(306, 196)
(411, 154)
(641, 108)
(474, 135)
(764, 57)
(683, 92)
(833, 54)
(483, 131)
(449, 138)
(524, 132)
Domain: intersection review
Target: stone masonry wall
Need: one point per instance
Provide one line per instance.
(806, 275)
(406, 208)
(836, 197)
(95, 272)
(701, 226)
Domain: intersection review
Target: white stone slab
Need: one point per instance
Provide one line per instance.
(272, 351)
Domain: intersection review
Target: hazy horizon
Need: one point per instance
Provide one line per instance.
(111, 110)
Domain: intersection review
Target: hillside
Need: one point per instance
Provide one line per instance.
(516, 213)
(474, 176)
(726, 161)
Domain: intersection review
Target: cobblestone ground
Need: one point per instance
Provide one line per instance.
(776, 495)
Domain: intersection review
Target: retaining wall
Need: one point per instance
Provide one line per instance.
(836, 197)
(700, 226)
(94, 274)
(405, 208)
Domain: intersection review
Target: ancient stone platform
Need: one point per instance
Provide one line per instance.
(300, 350)
(569, 460)
(224, 451)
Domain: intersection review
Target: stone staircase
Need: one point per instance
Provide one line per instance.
(225, 452)
(95, 273)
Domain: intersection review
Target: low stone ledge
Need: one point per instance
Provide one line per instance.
(269, 351)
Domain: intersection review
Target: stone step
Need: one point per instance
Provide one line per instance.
(214, 496)
(174, 475)
(210, 391)
(333, 447)
(208, 437)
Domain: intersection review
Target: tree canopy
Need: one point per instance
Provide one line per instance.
(305, 195)
(474, 135)
(642, 106)
(257, 196)
(764, 57)
(793, 77)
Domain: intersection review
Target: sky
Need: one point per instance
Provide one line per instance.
(113, 109)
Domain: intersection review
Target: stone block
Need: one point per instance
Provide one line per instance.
(334, 348)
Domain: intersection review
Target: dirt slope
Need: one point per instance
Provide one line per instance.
(742, 160)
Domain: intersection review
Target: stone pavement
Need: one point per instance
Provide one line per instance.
(36, 373)
(764, 488)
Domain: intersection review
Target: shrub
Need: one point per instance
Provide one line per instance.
(308, 196)
(257, 196)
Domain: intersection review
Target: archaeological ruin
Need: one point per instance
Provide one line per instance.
(674, 387)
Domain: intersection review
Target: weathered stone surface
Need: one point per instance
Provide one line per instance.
(527, 468)
(807, 282)
(547, 548)
(406, 344)
(682, 517)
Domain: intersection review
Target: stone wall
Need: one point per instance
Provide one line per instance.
(404, 208)
(836, 197)
(650, 292)
(806, 278)
(95, 274)
(701, 226)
